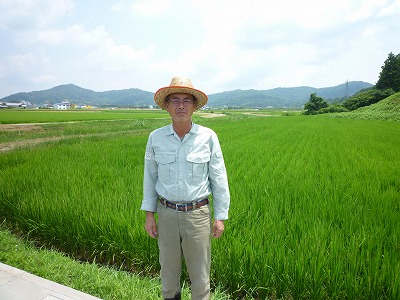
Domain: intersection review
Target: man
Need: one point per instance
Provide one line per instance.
(183, 167)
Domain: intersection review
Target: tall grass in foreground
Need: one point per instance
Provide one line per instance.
(100, 281)
(315, 208)
(81, 195)
(315, 205)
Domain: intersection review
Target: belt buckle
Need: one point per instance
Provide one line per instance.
(177, 208)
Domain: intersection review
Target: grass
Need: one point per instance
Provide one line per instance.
(315, 203)
(100, 281)
(15, 116)
(386, 110)
(39, 124)
(311, 196)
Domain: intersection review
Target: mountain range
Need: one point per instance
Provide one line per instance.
(277, 97)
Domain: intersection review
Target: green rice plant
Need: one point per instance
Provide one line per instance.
(314, 214)
(15, 116)
(66, 128)
(307, 187)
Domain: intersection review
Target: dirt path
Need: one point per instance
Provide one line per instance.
(31, 142)
(210, 115)
(8, 146)
(20, 127)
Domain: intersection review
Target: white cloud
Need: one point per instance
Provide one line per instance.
(144, 8)
(74, 34)
(114, 58)
(221, 44)
(52, 37)
(28, 14)
(2, 71)
(96, 45)
(390, 9)
(46, 78)
(21, 61)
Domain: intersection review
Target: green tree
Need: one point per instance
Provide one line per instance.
(315, 104)
(366, 97)
(389, 77)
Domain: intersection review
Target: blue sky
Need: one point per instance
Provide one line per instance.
(220, 44)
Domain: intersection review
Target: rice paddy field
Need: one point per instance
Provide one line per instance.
(315, 208)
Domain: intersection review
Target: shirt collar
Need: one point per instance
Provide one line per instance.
(194, 129)
(170, 130)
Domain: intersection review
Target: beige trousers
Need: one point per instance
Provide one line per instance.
(186, 234)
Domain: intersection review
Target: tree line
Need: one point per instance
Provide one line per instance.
(387, 84)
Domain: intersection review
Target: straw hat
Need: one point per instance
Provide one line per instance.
(183, 86)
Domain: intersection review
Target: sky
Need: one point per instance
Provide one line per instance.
(221, 45)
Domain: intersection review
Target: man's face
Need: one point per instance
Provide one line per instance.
(180, 107)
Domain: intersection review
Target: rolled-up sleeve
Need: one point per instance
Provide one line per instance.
(150, 196)
(219, 182)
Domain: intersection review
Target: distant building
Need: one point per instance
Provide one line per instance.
(62, 105)
(22, 104)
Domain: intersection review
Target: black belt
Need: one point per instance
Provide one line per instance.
(184, 207)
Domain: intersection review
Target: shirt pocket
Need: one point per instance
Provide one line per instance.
(166, 166)
(198, 166)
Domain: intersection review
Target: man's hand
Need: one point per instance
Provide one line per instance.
(150, 225)
(218, 228)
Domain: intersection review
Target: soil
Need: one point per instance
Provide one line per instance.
(8, 146)
(210, 115)
(19, 127)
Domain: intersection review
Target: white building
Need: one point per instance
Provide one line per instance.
(23, 104)
(62, 105)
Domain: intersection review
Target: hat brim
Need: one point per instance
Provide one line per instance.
(161, 95)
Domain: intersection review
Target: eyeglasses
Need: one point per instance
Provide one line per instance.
(185, 102)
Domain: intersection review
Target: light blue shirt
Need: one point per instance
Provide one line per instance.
(185, 170)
